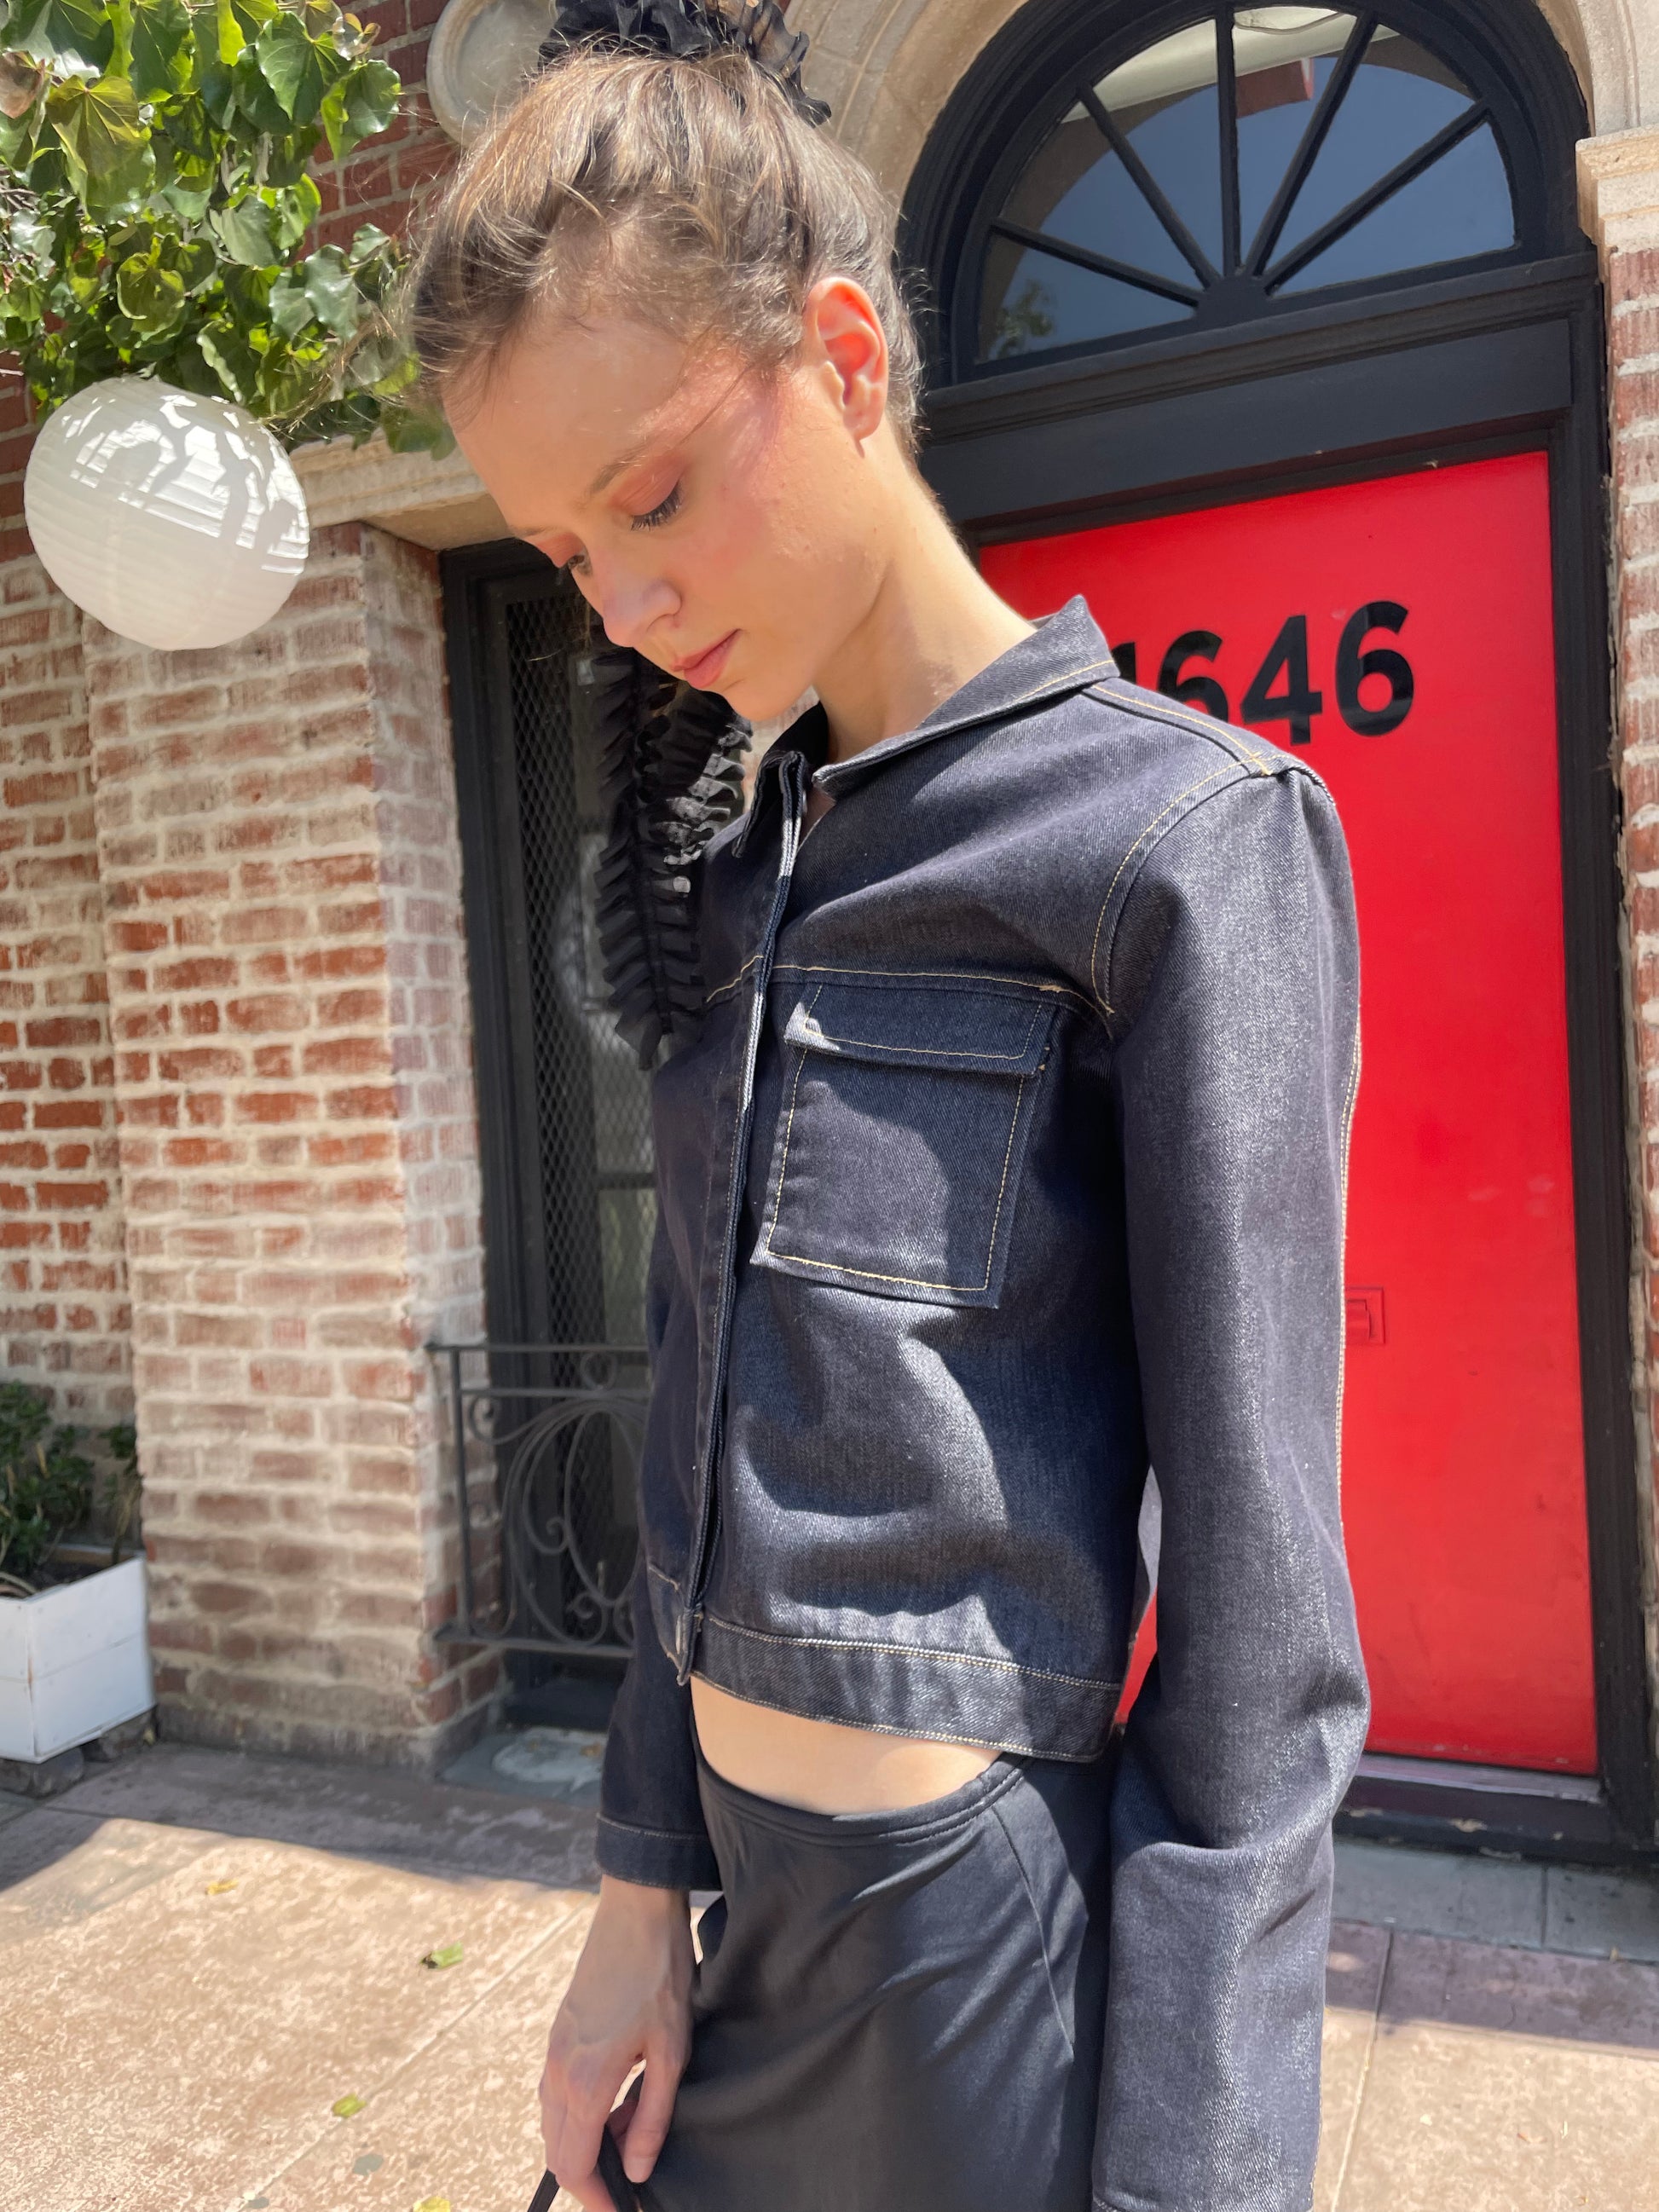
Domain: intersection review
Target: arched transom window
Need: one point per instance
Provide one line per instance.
(1258, 155)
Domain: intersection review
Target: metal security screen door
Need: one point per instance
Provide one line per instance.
(554, 1402)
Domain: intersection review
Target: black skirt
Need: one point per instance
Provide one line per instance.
(897, 2012)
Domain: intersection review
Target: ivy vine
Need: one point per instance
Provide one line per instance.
(156, 199)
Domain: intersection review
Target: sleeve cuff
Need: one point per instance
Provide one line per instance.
(659, 1858)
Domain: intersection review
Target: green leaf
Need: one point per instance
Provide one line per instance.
(380, 364)
(74, 35)
(358, 105)
(214, 89)
(254, 97)
(344, 2107)
(17, 140)
(367, 242)
(448, 1954)
(99, 129)
(247, 231)
(254, 14)
(120, 17)
(289, 157)
(228, 33)
(32, 240)
(187, 200)
(230, 363)
(298, 68)
(151, 295)
(416, 430)
(196, 263)
(332, 291)
(161, 48)
(290, 310)
(295, 208)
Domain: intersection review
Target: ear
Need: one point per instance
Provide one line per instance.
(841, 330)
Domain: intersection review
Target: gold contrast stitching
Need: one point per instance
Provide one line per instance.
(915, 1282)
(1084, 668)
(930, 975)
(933, 1051)
(731, 981)
(1214, 775)
(1218, 732)
(789, 1131)
(911, 1651)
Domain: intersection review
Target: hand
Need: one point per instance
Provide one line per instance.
(629, 1999)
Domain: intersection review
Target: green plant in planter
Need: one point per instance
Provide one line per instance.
(155, 199)
(122, 1485)
(46, 1483)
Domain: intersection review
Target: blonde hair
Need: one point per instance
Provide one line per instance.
(687, 194)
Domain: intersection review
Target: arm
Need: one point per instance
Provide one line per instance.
(630, 1997)
(651, 1827)
(1236, 969)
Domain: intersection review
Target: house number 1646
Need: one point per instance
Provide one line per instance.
(1296, 703)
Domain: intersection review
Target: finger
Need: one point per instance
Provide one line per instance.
(647, 2129)
(622, 2114)
(591, 2194)
(571, 2128)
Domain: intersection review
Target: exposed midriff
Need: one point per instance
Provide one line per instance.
(824, 1765)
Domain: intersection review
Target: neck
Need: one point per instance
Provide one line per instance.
(932, 622)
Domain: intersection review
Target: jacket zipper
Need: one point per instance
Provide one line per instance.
(790, 776)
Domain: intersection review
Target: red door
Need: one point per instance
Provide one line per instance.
(1398, 633)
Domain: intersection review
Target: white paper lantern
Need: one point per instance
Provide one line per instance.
(176, 520)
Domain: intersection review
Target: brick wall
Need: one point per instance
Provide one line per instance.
(62, 1291)
(277, 845)
(1633, 287)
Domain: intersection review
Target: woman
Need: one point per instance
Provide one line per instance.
(1001, 1150)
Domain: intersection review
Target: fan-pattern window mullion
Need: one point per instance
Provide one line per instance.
(1257, 151)
(1313, 138)
(1151, 191)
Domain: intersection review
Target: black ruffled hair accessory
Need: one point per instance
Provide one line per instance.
(687, 28)
(669, 758)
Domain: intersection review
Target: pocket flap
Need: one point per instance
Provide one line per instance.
(970, 1028)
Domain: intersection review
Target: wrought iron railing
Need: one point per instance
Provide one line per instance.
(543, 1442)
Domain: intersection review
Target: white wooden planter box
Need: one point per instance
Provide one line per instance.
(73, 1660)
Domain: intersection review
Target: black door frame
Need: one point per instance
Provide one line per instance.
(1506, 356)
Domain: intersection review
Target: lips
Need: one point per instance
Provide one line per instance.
(702, 671)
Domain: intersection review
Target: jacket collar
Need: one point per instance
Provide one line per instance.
(1064, 653)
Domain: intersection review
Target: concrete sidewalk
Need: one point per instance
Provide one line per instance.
(205, 1958)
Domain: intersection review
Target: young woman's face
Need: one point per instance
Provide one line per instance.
(726, 523)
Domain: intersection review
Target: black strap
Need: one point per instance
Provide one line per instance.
(624, 2195)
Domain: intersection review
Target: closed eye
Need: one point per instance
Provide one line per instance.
(659, 514)
(577, 564)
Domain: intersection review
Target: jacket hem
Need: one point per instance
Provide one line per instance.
(1098, 2204)
(657, 1858)
(905, 1690)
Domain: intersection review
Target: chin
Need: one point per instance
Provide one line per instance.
(760, 700)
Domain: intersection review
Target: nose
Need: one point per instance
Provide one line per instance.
(630, 604)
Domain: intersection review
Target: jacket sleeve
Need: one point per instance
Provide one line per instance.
(1234, 969)
(651, 1826)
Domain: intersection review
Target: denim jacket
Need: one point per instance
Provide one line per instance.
(1010, 1161)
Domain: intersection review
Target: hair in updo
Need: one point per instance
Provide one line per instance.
(685, 193)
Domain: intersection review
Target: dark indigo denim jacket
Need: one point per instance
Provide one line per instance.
(1011, 1158)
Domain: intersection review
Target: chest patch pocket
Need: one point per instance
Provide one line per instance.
(906, 1114)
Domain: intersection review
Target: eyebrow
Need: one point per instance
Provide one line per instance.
(607, 475)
